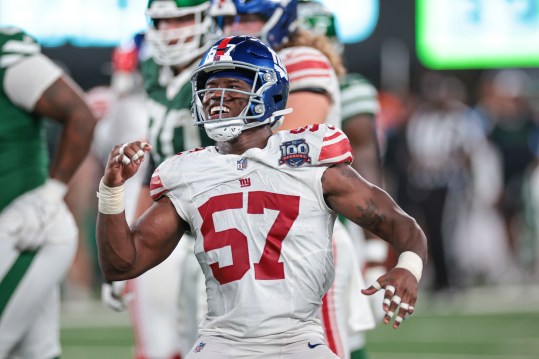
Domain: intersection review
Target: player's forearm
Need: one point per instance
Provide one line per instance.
(406, 235)
(377, 212)
(63, 102)
(74, 146)
(116, 248)
(115, 240)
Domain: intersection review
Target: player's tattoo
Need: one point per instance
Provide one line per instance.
(346, 171)
(368, 216)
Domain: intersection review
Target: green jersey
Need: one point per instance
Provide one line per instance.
(24, 155)
(171, 128)
(358, 96)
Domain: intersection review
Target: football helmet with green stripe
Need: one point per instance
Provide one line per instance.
(317, 18)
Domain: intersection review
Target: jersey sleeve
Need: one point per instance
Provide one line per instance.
(358, 96)
(157, 188)
(308, 70)
(326, 144)
(167, 180)
(25, 73)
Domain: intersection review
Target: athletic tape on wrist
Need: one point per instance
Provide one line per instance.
(412, 262)
(111, 199)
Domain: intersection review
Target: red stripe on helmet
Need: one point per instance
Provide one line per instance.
(222, 47)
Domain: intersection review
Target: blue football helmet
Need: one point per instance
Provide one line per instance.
(280, 17)
(249, 59)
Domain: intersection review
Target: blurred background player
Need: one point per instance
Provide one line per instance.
(121, 112)
(168, 301)
(313, 67)
(38, 235)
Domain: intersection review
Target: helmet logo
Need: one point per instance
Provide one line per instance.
(221, 51)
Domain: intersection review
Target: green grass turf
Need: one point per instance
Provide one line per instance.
(451, 336)
(97, 342)
(497, 336)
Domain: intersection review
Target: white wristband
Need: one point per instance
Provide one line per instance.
(412, 262)
(111, 199)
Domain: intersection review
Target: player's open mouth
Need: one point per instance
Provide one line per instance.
(217, 112)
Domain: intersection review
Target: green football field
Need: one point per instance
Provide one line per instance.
(479, 326)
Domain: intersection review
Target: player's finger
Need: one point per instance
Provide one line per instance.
(411, 308)
(390, 291)
(136, 156)
(393, 305)
(121, 159)
(375, 287)
(397, 322)
(122, 148)
(402, 314)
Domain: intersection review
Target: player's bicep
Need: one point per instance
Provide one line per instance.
(157, 232)
(62, 100)
(349, 194)
(308, 108)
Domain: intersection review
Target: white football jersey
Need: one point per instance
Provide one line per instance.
(308, 69)
(263, 230)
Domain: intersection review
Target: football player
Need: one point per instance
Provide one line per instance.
(261, 207)
(38, 235)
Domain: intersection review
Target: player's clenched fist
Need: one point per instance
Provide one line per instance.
(124, 161)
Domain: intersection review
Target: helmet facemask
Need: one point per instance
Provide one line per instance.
(248, 59)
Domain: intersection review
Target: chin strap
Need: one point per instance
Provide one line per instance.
(279, 122)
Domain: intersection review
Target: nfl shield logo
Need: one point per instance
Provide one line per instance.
(199, 347)
(241, 164)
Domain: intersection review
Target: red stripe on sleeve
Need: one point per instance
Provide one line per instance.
(307, 65)
(335, 150)
(156, 186)
(335, 135)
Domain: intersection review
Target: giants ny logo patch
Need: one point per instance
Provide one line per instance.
(295, 153)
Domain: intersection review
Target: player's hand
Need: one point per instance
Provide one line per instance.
(29, 215)
(370, 275)
(115, 296)
(124, 161)
(400, 294)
